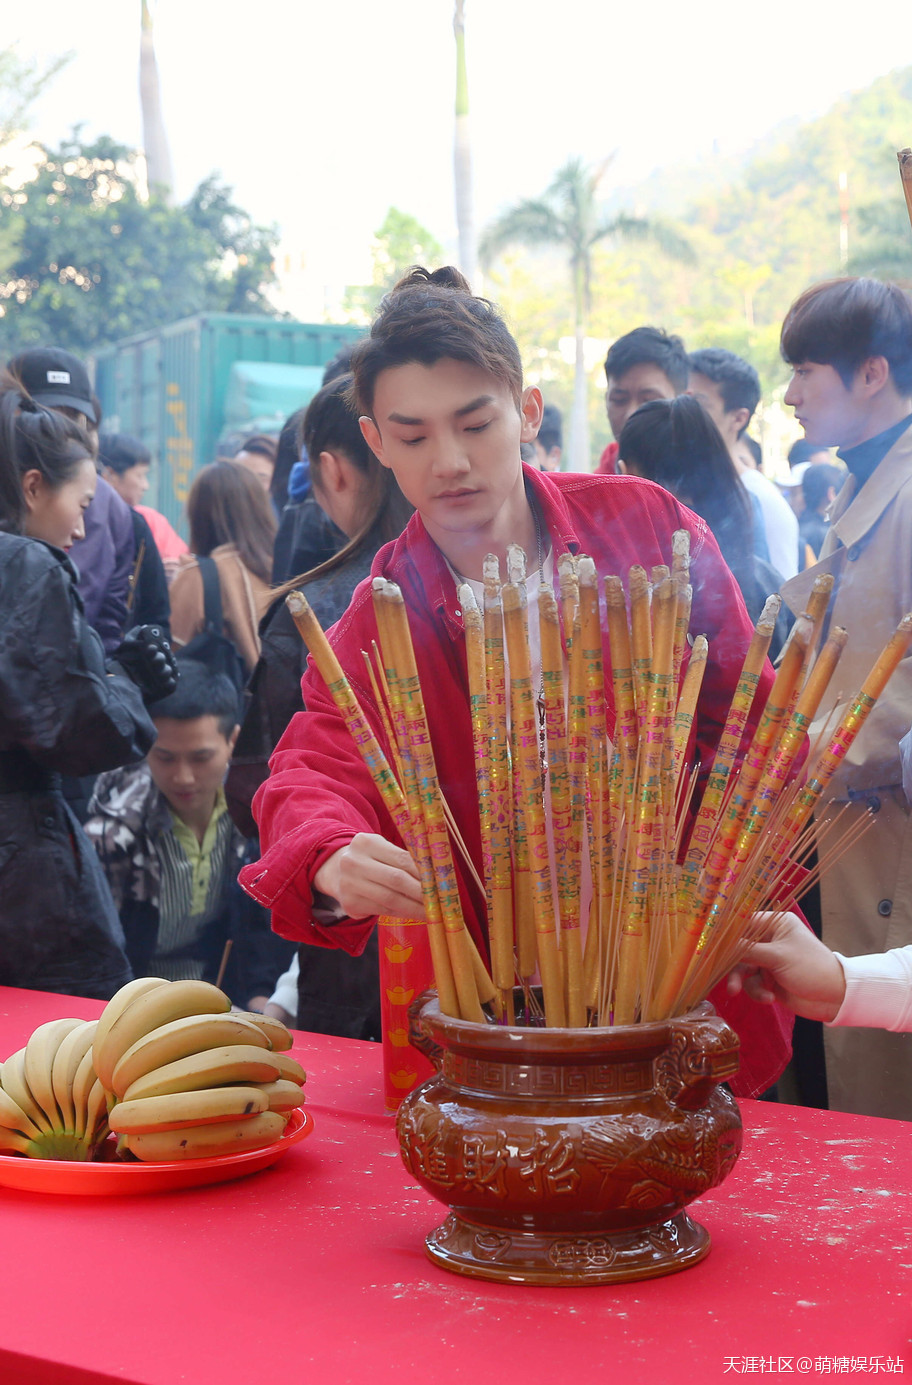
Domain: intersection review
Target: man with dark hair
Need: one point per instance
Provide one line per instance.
(548, 447)
(644, 364)
(804, 453)
(849, 343)
(728, 387)
(819, 487)
(171, 853)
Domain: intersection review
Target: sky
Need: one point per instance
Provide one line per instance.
(322, 115)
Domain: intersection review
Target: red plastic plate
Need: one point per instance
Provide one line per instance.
(115, 1179)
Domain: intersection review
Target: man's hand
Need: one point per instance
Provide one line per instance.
(793, 966)
(371, 876)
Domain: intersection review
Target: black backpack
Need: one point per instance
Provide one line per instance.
(212, 646)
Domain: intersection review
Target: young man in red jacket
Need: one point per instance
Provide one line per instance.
(439, 385)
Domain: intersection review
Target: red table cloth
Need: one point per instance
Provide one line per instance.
(314, 1269)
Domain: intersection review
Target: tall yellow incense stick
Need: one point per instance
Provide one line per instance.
(729, 742)
(708, 815)
(333, 675)
(687, 703)
(773, 789)
(529, 769)
(769, 791)
(569, 591)
(680, 555)
(653, 676)
(818, 601)
(522, 722)
(625, 724)
(400, 657)
(478, 704)
(640, 639)
(698, 894)
(710, 898)
(500, 920)
(658, 767)
(597, 775)
(566, 842)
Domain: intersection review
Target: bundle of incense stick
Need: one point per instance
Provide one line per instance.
(604, 887)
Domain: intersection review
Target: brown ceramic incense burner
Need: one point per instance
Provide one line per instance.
(567, 1155)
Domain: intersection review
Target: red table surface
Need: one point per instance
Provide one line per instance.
(315, 1269)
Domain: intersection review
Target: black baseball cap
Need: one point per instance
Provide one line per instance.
(55, 377)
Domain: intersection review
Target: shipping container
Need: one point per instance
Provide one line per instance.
(180, 388)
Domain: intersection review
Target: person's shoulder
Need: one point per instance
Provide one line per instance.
(585, 489)
(188, 571)
(33, 561)
(126, 796)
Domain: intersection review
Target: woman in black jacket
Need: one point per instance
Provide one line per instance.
(63, 710)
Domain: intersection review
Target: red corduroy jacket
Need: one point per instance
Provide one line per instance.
(319, 794)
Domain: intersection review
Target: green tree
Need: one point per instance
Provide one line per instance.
(400, 242)
(95, 262)
(884, 246)
(21, 82)
(569, 216)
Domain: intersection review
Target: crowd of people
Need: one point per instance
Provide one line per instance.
(179, 794)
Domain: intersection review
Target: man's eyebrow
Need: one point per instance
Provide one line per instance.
(479, 403)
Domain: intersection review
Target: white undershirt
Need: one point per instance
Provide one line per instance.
(878, 991)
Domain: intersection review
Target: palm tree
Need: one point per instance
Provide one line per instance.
(569, 216)
(155, 139)
(462, 152)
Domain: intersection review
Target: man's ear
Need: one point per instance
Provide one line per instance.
(874, 374)
(371, 435)
(740, 419)
(531, 407)
(232, 739)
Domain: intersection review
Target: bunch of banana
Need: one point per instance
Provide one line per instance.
(187, 1079)
(51, 1104)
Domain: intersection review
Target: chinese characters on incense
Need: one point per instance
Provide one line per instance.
(603, 887)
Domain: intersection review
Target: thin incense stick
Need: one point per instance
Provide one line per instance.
(773, 784)
(687, 703)
(500, 920)
(569, 591)
(640, 638)
(333, 675)
(597, 767)
(704, 904)
(529, 772)
(400, 657)
(566, 845)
